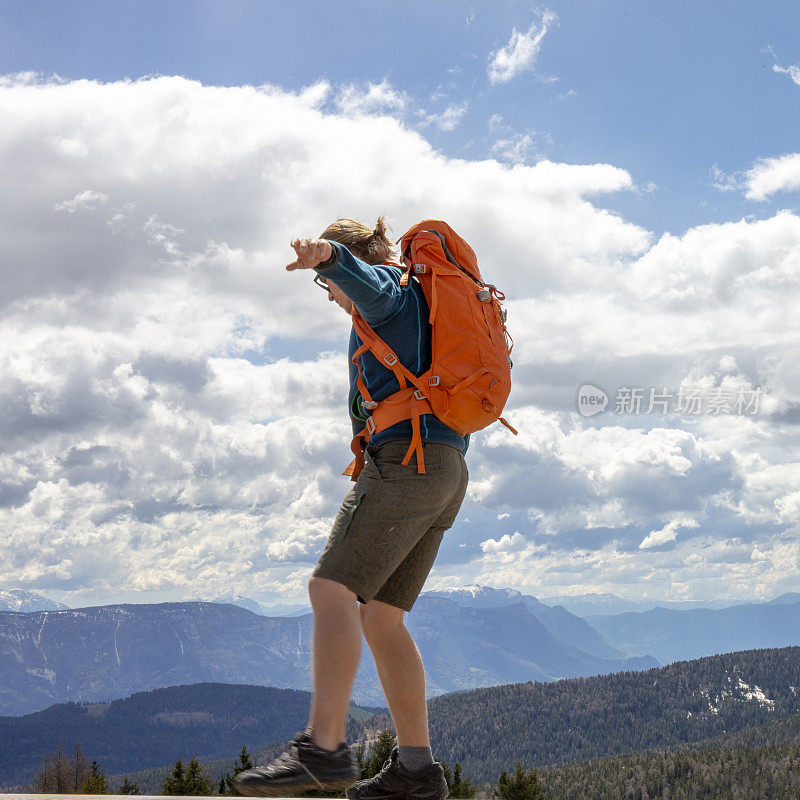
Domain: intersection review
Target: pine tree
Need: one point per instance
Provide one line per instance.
(455, 787)
(461, 787)
(128, 788)
(245, 762)
(381, 750)
(197, 783)
(520, 786)
(448, 776)
(95, 782)
(175, 783)
(360, 760)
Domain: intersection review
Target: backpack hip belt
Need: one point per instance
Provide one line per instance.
(406, 403)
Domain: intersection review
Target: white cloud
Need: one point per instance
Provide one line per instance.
(736, 265)
(449, 119)
(771, 175)
(765, 178)
(374, 99)
(172, 402)
(792, 71)
(505, 544)
(496, 123)
(725, 182)
(666, 534)
(517, 149)
(520, 53)
(371, 98)
(83, 201)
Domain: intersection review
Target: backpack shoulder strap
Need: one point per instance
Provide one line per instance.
(408, 403)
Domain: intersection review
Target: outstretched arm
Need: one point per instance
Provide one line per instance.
(374, 289)
(310, 253)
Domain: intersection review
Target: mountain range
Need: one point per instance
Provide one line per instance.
(665, 633)
(107, 652)
(581, 604)
(469, 637)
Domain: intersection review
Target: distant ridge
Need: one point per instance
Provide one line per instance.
(592, 604)
(106, 652)
(674, 635)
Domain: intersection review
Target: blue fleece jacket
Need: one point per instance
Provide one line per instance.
(399, 315)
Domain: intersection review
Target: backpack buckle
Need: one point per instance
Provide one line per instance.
(420, 267)
(370, 404)
(390, 360)
(371, 426)
(418, 394)
(433, 380)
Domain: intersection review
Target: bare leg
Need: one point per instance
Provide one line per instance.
(400, 671)
(336, 650)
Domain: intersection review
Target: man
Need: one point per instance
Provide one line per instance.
(383, 543)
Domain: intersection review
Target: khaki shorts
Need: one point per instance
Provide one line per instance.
(387, 532)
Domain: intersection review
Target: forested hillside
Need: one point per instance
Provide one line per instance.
(148, 729)
(762, 773)
(758, 763)
(485, 730)
(626, 712)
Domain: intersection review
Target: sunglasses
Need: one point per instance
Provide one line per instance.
(320, 281)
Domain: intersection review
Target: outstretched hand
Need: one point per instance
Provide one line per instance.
(310, 252)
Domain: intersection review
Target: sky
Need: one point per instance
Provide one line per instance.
(173, 418)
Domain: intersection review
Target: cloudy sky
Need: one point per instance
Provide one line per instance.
(173, 403)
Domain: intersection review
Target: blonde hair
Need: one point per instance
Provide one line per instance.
(369, 244)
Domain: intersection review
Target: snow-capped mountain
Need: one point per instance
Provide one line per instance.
(478, 596)
(22, 600)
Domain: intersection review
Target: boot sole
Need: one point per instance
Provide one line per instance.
(289, 789)
(434, 793)
(396, 796)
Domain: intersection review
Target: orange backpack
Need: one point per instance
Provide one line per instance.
(469, 379)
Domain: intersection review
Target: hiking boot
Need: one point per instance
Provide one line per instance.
(395, 782)
(303, 766)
